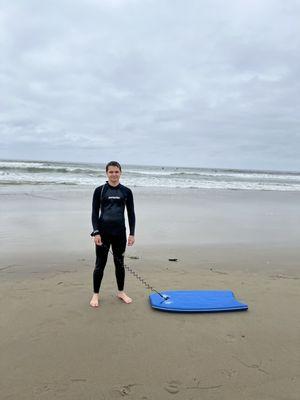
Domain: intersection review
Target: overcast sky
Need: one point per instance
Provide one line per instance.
(205, 83)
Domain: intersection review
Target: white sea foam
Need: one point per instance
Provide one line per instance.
(42, 173)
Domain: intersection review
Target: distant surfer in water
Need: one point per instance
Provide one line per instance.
(110, 200)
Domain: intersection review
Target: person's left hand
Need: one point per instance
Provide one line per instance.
(130, 240)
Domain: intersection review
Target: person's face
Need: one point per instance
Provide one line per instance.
(113, 174)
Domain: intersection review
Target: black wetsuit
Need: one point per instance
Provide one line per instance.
(110, 225)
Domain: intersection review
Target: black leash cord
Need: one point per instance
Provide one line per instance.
(142, 280)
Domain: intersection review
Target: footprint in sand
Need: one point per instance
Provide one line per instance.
(230, 338)
(125, 390)
(172, 387)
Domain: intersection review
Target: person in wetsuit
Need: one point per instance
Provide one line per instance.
(109, 228)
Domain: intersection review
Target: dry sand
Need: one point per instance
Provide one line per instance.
(54, 346)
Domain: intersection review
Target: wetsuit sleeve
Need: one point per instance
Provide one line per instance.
(130, 212)
(95, 212)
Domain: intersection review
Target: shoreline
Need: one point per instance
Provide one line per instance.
(86, 187)
(57, 222)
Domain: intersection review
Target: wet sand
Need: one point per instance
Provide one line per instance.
(53, 345)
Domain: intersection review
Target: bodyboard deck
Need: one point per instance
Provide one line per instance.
(196, 301)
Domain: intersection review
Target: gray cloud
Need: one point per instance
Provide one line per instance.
(212, 84)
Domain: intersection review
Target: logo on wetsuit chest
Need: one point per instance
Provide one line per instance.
(114, 197)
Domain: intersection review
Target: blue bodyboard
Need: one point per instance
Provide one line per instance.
(193, 301)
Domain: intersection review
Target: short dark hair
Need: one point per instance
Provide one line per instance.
(113, 164)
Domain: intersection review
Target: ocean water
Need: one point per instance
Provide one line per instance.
(64, 173)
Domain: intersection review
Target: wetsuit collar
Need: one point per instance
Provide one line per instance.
(113, 187)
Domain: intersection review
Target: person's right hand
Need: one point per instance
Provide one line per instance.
(97, 240)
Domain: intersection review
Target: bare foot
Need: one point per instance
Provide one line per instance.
(123, 296)
(95, 300)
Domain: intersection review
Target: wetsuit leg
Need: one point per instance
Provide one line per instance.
(118, 244)
(101, 259)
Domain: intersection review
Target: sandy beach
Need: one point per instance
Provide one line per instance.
(54, 346)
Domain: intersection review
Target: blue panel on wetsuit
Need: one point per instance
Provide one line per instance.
(196, 301)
